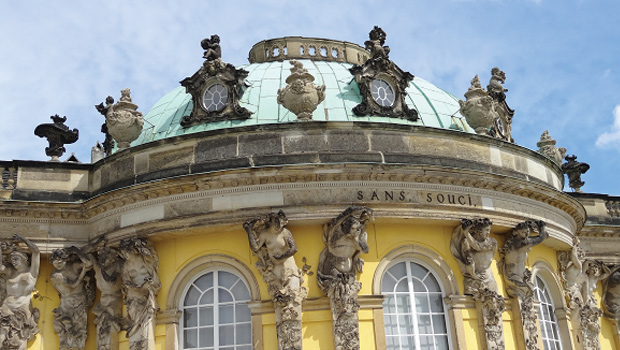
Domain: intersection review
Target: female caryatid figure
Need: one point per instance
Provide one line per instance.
(18, 320)
(72, 278)
(473, 250)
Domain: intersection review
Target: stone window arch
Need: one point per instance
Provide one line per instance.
(208, 304)
(553, 317)
(420, 277)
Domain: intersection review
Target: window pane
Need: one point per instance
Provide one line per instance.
(424, 324)
(207, 298)
(418, 271)
(441, 342)
(431, 283)
(388, 283)
(227, 335)
(190, 339)
(242, 313)
(418, 286)
(206, 316)
(439, 324)
(240, 291)
(244, 334)
(391, 325)
(402, 304)
(421, 303)
(227, 314)
(405, 324)
(389, 304)
(426, 343)
(226, 279)
(190, 317)
(224, 296)
(436, 302)
(192, 296)
(205, 282)
(399, 270)
(206, 336)
(402, 286)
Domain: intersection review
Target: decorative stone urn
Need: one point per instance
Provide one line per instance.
(123, 120)
(478, 108)
(301, 96)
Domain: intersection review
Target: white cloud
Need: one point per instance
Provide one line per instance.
(611, 138)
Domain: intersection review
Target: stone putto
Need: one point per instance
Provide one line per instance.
(301, 96)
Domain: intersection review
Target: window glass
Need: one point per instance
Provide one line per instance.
(413, 308)
(546, 317)
(215, 313)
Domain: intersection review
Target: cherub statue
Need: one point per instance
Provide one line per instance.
(473, 249)
(76, 289)
(346, 239)
(375, 44)
(212, 48)
(274, 246)
(496, 85)
(18, 320)
(515, 250)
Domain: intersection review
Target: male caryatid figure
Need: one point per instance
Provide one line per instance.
(18, 320)
(72, 278)
(274, 246)
(141, 285)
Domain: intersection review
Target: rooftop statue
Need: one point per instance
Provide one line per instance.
(123, 122)
(58, 135)
(546, 146)
(573, 169)
(18, 319)
(375, 44)
(301, 96)
(108, 142)
(212, 48)
(486, 110)
(76, 287)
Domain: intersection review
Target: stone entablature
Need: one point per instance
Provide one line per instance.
(298, 47)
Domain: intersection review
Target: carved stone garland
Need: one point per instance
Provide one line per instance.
(473, 249)
(273, 244)
(382, 83)
(140, 286)
(73, 279)
(345, 238)
(519, 284)
(215, 88)
(18, 319)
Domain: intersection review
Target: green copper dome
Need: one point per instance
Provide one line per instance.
(436, 107)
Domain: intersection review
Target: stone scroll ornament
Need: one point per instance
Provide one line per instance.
(519, 284)
(140, 286)
(108, 264)
(486, 110)
(301, 96)
(215, 88)
(273, 244)
(382, 83)
(73, 279)
(345, 238)
(58, 135)
(123, 122)
(18, 319)
(473, 249)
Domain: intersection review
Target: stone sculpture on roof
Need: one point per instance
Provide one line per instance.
(123, 122)
(546, 146)
(301, 96)
(574, 169)
(57, 135)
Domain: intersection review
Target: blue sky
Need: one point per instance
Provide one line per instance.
(561, 58)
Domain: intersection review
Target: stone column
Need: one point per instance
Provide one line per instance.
(345, 238)
(274, 246)
(140, 285)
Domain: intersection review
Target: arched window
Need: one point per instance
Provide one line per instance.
(414, 310)
(215, 313)
(546, 317)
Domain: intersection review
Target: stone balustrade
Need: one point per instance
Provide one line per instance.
(307, 48)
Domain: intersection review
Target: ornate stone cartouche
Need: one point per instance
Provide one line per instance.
(345, 238)
(72, 277)
(274, 246)
(486, 110)
(58, 135)
(546, 146)
(18, 319)
(123, 122)
(573, 169)
(301, 96)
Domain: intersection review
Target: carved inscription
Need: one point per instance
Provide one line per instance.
(422, 197)
(447, 198)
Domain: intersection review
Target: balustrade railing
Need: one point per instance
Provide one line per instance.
(9, 177)
(613, 207)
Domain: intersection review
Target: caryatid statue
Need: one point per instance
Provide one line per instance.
(611, 294)
(346, 239)
(75, 284)
(108, 312)
(523, 237)
(18, 320)
(141, 285)
(274, 246)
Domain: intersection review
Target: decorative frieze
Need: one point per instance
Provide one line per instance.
(18, 319)
(345, 238)
(273, 244)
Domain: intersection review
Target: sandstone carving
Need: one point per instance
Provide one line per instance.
(301, 96)
(274, 246)
(573, 169)
(140, 286)
(382, 83)
(519, 282)
(58, 135)
(213, 51)
(18, 319)
(490, 306)
(108, 311)
(611, 294)
(473, 250)
(546, 146)
(486, 110)
(345, 238)
(72, 278)
(122, 120)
